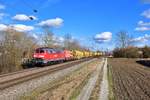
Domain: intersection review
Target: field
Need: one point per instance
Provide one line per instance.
(131, 81)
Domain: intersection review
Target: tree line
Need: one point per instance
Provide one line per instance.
(18, 46)
(13, 47)
(126, 49)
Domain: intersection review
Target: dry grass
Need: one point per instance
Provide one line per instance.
(64, 88)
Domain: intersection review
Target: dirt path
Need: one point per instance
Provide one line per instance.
(88, 88)
(104, 91)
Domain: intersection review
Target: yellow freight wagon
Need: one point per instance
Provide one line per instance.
(86, 54)
(99, 53)
(90, 54)
(94, 54)
(77, 54)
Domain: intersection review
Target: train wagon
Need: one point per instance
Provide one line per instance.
(68, 55)
(86, 54)
(77, 54)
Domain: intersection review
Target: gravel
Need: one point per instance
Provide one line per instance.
(14, 92)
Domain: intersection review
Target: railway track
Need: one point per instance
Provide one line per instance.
(8, 80)
(16, 72)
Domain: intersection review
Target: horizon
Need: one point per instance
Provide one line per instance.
(90, 22)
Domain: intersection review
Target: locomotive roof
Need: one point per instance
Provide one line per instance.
(44, 48)
(48, 48)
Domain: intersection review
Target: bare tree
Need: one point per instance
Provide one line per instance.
(123, 39)
(68, 41)
(48, 38)
(12, 48)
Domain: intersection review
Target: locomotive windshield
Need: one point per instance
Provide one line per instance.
(40, 51)
(48, 50)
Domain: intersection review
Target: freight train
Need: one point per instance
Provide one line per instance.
(46, 56)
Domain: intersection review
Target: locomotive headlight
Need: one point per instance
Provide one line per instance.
(42, 56)
(34, 55)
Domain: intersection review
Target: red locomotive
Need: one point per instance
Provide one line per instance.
(44, 56)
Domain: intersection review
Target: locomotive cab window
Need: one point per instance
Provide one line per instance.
(59, 51)
(37, 51)
(40, 51)
(51, 51)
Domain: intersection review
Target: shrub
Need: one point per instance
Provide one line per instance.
(128, 52)
(146, 52)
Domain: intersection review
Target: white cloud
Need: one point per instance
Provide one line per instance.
(61, 39)
(22, 28)
(146, 13)
(2, 6)
(2, 15)
(35, 36)
(143, 28)
(141, 23)
(3, 27)
(139, 39)
(145, 1)
(144, 38)
(17, 27)
(103, 37)
(52, 22)
(23, 17)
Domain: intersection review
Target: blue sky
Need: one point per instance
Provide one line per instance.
(83, 19)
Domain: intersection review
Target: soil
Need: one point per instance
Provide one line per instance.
(95, 92)
(131, 81)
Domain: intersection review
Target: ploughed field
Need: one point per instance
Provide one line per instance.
(131, 81)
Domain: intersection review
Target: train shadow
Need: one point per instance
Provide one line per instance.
(144, 62)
